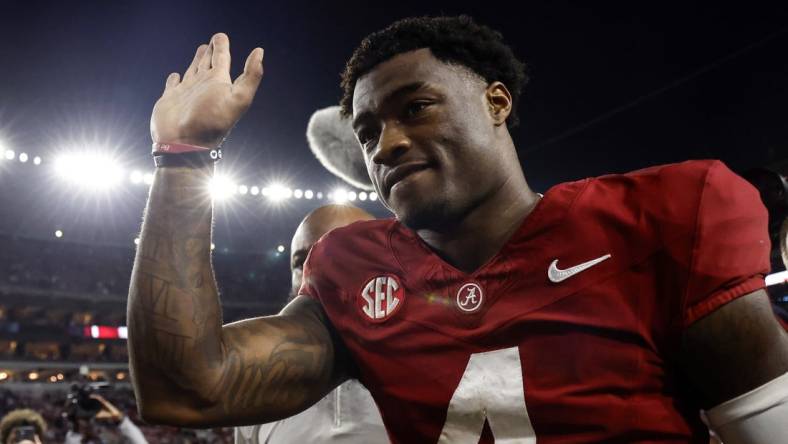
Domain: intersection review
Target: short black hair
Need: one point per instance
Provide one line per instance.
(456, 40)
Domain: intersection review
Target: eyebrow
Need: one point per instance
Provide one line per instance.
(401, 91)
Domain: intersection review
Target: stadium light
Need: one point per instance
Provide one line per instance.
(60, 376)
(254, 191)
(243, 189)
(3, 376)
(298, 193)
(37, 160)
(23, 157)
(373, 196)
(32, 376)
(319, 195)
(10, 154)
(136, 177)
(339, 195)
(89, 170)
(280, 248)
(308, 194)
(58, 234)
(277, 192)
(221, 187)
(136, 241)
(213, 246)
(362, 196)
(351, 196)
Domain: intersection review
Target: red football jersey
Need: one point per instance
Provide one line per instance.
(570, 333)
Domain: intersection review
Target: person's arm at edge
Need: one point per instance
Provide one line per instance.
(130, 430)
(732, 342)
(736, 348)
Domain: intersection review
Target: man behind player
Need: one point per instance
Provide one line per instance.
(348, 414)
(610, 310)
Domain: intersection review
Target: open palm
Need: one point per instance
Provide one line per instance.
(203, 106)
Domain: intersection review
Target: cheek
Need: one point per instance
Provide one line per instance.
(296, 277)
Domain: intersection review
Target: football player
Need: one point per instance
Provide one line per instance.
(609, 309)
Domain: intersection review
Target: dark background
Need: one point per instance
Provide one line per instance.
(614, 87)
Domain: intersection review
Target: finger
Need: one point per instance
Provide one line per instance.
(205, 60)
(221, 53)
(172, 80)
(195, 61)
(245, 86)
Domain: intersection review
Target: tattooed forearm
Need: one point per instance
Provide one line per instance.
(271, 366)
(174, 312)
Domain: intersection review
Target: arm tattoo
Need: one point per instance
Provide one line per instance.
(282, 377)
(173, 302)
(175, 323)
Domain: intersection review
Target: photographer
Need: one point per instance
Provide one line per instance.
(22, 426)
(84, 416)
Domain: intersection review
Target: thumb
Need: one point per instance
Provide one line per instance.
(245, 86)
(172, 80)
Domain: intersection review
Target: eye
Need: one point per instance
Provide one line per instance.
(366, 139)
(414, 108)
(298, 262)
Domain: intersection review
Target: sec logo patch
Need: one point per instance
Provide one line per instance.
(381, 297)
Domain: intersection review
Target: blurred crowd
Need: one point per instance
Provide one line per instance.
(50, 307)
(51, 405)
(59, 266)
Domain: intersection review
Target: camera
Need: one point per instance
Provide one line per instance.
(79, 404)
(23, 433)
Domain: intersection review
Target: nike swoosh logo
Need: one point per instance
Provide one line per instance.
(556, 275)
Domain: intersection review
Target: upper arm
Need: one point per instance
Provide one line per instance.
(731, 342)
(272, 367)
(736, 348)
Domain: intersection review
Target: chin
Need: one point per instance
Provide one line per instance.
(425, 216)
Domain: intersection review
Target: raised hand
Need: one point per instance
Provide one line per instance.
(108, 411)
(202, 107)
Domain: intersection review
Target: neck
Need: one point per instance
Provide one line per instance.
(479, 235)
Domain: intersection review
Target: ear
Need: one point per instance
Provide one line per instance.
(499, 102)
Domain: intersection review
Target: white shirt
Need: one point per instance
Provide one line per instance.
(346, 415)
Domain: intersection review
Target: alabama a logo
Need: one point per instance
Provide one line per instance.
(470, 297)
(381, 297)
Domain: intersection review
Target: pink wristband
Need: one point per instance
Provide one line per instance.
(176, 148)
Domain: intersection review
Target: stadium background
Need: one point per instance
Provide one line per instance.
(613, 88)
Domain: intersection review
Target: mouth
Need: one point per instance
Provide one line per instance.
(400, 173)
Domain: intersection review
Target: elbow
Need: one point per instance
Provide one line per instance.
(175, 416)
(154, 416)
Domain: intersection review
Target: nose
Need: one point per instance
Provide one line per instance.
(393, 143)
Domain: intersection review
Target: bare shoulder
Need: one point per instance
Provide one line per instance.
(736, 348)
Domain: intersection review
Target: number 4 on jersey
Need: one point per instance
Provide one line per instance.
(491, 388)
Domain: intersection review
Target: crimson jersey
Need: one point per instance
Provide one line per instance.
(570, 333)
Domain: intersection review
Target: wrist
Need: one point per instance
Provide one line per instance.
(177, 148)
(207, 141)
(182, 157)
